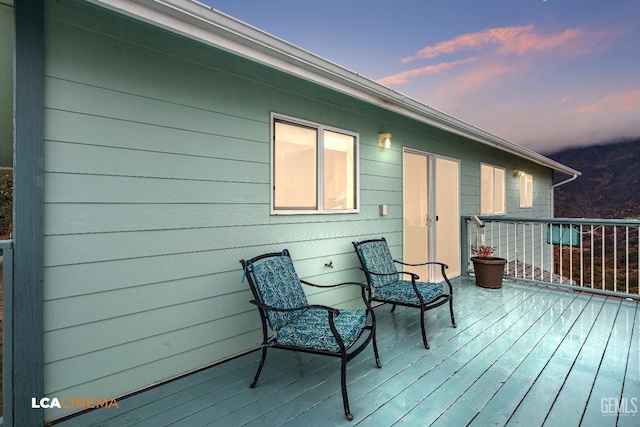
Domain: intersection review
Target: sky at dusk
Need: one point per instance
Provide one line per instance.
(544, 74)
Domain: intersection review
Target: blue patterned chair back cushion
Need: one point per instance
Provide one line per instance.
(377, 258)
(278, 285)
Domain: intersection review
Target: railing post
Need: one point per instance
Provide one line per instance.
(28, 211)
(464, 246)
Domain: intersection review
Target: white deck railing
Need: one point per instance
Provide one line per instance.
(597, 255)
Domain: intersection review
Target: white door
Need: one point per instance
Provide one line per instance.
(415, 206)
(447, 213)
(431, 219)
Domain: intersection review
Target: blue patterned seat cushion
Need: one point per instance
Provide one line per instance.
(278, 285)
(377, 258)
(402, 292)
(311, 329)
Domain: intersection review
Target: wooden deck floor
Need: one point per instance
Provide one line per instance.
(521, 355)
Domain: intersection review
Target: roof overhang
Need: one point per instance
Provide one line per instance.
(200, 22)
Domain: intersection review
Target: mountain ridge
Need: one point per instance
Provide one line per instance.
(609, 186)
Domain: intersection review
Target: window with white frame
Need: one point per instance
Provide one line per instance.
(526, 190)
(492, 190)
(314, 168)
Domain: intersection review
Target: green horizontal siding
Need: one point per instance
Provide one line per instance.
(109, 370)
(139, 109)
(93, 160)
(117, 133)
(98, 218)
(157, 181)
(64, 187)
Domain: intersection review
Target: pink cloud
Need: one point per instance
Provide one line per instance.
(519, 40)
(616, 103)
(530, 41)
(470, 41)
(480, 76)
(501, 45)
(401, 78)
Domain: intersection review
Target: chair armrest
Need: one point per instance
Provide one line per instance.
(414, 276)
(422, 263)
(377, 274)
(362, 285)
(284, 310)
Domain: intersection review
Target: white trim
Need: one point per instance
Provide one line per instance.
(493, 189)
(320, 167)
(524, 192)
(207, 25)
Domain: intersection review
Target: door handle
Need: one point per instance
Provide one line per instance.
(428, 220)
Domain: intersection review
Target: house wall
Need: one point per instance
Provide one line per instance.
(157, 183)
(523, 244)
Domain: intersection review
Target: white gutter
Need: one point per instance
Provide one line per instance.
(553, 189)
(207, 25)
(565, 181)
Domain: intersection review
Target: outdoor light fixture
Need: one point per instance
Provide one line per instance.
(384, 140)
(518, 172)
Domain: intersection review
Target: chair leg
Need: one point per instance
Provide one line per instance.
(343, 385)
(453, 320)
(393, 308)
(373, 338)
(375, 352)
(424, 334)
(264, 356)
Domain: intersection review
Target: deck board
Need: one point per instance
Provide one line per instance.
(541, 396)
(631, 379)
(508, 397)
(400, 360)
(571, 401)
(398, 396)
(532, 328)
(521, 355)
(458, 371)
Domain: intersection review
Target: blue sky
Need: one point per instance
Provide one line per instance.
(541, 73)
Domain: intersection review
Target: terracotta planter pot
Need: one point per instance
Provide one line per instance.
(489, 271)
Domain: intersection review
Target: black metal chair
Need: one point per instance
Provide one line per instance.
(299, 326)
(386, 285)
